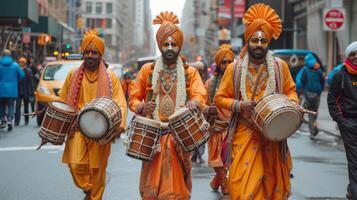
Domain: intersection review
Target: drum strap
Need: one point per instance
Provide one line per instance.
(232, 127)
(278, 76)
(280, 89)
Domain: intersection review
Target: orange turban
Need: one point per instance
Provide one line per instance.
(22, 59)
(92, 36)
(261, 17)
(168, 28)
(223, 51)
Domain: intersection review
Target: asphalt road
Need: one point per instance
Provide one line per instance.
(320, 170)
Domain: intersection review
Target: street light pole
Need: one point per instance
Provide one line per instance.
(233, 21)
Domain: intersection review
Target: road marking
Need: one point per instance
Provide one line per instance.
(22, 148)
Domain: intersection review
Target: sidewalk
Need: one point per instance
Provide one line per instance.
(324, 120)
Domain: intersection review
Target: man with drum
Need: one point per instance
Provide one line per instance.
(218, 119)
(342, 104)
(86, 158)
(168, 174)
(258, 168)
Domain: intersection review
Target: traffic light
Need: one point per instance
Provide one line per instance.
(44, 39)
(68, 46)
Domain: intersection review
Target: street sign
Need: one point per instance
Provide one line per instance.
(334, 19)
(26, 37)
(26, 29)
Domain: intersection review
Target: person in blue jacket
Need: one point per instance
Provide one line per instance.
(10, 74)
(310, 82)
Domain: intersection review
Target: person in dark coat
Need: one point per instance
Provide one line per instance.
(342, 104)
(10, 74)
(26, 92)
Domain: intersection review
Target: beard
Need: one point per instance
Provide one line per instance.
(91, 64)
(170, 56)
(257, 52)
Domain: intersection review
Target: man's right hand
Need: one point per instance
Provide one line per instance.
(247, 106)
(149, 108)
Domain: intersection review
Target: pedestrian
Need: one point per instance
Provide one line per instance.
(259, 168)
(342, 104)
(224, 56)
(26, 92)
(168, 174)
(86, 158)
(10, 75)
(310, 81)
(127, 83)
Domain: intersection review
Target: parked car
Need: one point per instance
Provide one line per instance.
(142, 61)
(295, 58)
(51, 81)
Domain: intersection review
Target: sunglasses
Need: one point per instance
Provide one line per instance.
(224, 62)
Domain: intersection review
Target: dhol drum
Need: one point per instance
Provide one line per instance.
(98, 119)
(57, 123)
(144, 135)
(190, 128)
(218, 126)
(276, 117)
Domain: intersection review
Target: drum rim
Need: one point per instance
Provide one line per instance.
(74, 113)
(80, 129)
(178, 113)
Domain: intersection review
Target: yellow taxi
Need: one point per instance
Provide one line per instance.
(51, 80)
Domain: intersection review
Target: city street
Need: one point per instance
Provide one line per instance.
(320, 169)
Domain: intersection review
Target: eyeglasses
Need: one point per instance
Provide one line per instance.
(224, 62)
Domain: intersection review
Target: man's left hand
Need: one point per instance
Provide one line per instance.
(192, 105)
(118, 131)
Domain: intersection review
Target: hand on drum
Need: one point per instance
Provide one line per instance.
(149, 108)
(247, 108)
(117, 132)
(212, 110)
(192, 105)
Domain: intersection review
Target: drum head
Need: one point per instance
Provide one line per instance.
(178, 113)
(93, 124)
(282, 125)
(62, 106)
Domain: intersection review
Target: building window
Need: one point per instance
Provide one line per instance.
(108, 39)
(109, 23)
(98, 7)
(109, 8)
(97, 23)
(88, 23)
(88, 7)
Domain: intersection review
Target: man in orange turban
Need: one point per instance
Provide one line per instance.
(87, 159)
(218, 120)
(160, 89)
(258, 168)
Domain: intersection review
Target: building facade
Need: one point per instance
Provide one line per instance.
(310, 34)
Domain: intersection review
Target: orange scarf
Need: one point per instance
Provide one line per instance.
(104, 84)
(351, 68)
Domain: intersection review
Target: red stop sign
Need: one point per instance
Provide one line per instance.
(334, 19)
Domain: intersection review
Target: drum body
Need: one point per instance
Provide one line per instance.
(190, 129)
(57, 122)
(98, 119)
(276, 117)
(218, 126)
(144, 135)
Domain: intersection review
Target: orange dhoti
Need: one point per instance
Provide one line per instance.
(215, 143)
(257, 170)
(168, 175)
